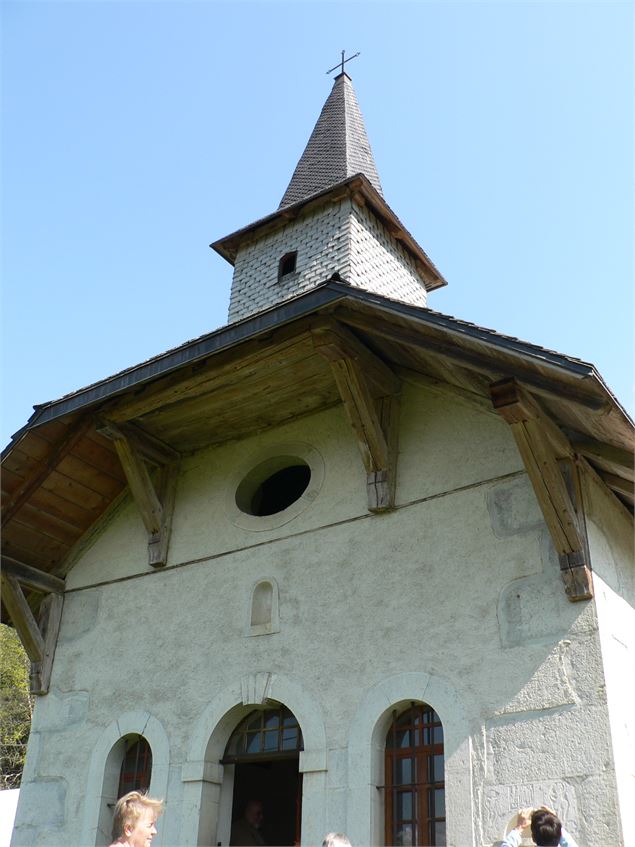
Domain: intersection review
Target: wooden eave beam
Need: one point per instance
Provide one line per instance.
(150, 449)
(593, 449)
(474, 361)
(210, 374)
(34, 578)
(43, 470)
(369, 391)
(621, 486)
(50, 619)
(23, 620)
(542, 447)
(155, 502)
(38, 637)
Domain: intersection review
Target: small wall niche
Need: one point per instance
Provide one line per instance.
(263, 613)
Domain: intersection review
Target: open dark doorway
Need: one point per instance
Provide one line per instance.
(278, 785)
(265, 751)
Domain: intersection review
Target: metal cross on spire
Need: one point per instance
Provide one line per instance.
(343, 62)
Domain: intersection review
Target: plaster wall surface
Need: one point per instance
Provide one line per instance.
(610, 533)
(454, 598)
(339, 237)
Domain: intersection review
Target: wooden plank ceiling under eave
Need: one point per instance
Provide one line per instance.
(60, 476)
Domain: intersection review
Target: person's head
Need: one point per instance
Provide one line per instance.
(135, 818)
(546, 829)
(254, 813)
(336, 839)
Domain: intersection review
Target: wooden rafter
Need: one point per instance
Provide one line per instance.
(208, 375)
(549, 461)
(474, 361)
(43, 470)
(38, 637)
(370, 393)
(593, 449)
(32, 577)
(155, 501)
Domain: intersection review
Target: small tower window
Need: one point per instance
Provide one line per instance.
(287, 264)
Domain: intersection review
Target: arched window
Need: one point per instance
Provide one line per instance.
(266, 733)
(136, 766)
(414, 777)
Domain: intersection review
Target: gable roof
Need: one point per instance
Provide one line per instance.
(337, 148)
(60, 474)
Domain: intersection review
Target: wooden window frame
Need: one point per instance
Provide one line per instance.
(137, 777)
(423, 783)
(245, 730)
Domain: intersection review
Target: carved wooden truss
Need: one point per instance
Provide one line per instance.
(370, 394)
(552, 467)
(39, 637)
(154, 497)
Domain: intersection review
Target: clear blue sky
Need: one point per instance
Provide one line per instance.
(135, 133)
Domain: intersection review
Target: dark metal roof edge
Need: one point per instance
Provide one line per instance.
(191, 351)
(324, 294)
(490, 336)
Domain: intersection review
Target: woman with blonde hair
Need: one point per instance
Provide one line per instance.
(134, 822)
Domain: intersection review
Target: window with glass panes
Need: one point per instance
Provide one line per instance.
(265, 732)
(414, 777)
(136, 767)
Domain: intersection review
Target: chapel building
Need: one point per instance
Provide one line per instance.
(362, 561)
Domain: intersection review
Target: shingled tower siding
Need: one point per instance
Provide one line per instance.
(338, 238)
(322, 243)
(338, 147)
(379, 263)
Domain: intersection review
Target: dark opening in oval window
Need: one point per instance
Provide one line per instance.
(279, 490)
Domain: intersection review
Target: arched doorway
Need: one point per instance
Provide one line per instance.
(415, 779)
(264, 751)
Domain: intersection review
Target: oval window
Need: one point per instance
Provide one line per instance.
(273, 486)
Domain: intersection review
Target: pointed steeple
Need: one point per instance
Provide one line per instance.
(338, 147)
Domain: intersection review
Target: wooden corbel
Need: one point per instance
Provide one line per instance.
(370, 394)
(549, 460)
(154, 498)
(38, 637)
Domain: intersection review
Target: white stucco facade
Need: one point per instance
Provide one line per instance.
(453, 599)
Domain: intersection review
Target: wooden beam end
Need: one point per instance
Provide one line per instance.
(576, 576)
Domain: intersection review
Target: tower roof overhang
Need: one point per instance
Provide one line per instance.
(359, 189)
(61, 475)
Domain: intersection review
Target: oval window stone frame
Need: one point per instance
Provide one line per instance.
(259, 463)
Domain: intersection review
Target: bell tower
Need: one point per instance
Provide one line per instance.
(332, 222)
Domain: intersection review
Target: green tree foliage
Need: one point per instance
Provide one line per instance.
(16, 707)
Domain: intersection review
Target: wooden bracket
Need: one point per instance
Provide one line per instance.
(38, 637)
(154, 498)
(370, 394)
(549, 461)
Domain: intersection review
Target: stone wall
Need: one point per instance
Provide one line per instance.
(610, 531)
(454, 599)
